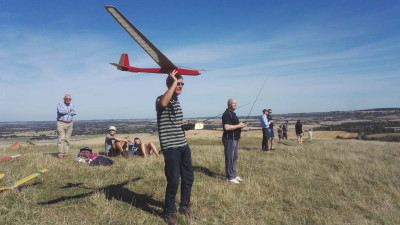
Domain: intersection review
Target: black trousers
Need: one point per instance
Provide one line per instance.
(265, 138)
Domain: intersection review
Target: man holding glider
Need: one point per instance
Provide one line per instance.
(230, 138)
(176, 151)
(65, 113)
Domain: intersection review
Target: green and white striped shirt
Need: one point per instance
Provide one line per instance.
(169, 122)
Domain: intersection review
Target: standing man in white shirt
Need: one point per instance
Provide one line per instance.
(65, 113)
(265, 129)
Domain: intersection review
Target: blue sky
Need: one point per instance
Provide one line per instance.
(314, 56)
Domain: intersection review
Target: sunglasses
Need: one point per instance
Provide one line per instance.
(68, 98)
(180, 84)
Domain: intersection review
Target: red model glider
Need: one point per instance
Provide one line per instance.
(165, 64)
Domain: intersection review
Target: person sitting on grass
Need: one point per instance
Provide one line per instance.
(114, 145)
(143, 149)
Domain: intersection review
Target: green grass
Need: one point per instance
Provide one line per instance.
(323, 182)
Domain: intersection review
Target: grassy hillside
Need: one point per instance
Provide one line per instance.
(323, 182)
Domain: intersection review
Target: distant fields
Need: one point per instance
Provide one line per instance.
(327, 181)
(210, 134)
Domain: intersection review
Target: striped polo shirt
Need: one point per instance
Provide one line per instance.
(169, 122)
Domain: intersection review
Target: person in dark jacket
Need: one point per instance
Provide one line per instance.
(299, 132)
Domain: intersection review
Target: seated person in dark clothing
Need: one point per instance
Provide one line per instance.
(143, 149)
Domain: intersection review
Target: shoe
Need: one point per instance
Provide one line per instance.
(238, 178)
(125, 154)
(233, 181)
(188, 213)
(272, 149)
(171, 220)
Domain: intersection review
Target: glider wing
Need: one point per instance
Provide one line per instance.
(147, 46)
(28, 178)
(11, 157)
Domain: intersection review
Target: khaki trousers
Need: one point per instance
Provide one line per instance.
(64, 131)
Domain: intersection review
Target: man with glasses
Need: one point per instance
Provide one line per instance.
(65, 113)
(176, 151)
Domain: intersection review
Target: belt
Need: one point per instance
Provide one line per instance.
(63, 121)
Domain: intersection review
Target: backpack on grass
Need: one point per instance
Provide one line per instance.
(101, 161)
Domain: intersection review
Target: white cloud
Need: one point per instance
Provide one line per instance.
(39, 68)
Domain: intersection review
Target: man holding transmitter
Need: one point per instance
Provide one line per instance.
(230, 138)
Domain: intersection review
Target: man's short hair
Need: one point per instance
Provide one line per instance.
(265, 110)
(230, 101)
(67, 95)
(169, 80)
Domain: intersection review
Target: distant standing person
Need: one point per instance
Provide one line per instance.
(230, 138)
(285, 129)
(309, 135)
(271, 129)
(299, 132)
(176, 151)
(280, 133)
(265, 129)
(65, 113)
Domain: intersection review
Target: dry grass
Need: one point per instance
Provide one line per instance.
(383, 135)
(323, 182)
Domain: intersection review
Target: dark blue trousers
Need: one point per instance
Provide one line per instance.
(178, 164)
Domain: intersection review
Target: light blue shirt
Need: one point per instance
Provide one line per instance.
(64, 112)
(264, 121)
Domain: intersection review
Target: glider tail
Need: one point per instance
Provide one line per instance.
(123, 62)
